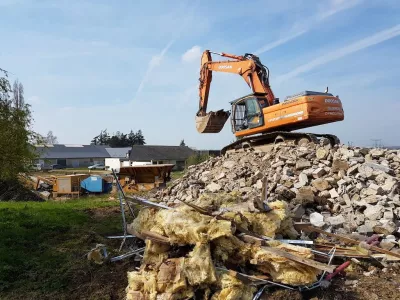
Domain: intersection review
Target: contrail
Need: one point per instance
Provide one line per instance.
(155, 61)
(375, 39)
(279, 42)
(336, 7)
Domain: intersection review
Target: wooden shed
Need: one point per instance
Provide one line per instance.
(68, 184)
(145, 177)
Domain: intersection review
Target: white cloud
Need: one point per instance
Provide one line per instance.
(339, 53)
(335, 6)
(192, 54)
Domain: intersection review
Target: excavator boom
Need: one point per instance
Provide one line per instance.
(251, 70)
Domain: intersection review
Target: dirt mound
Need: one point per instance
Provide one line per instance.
(15, 191)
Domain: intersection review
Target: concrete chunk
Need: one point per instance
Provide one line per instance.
(318, 173)
(376, 153)
(373, 212)
(213, 187)
(229, 164)
(389, 184)
(302, 164)
(333, 193)
(259, 184)
(303, 179)
(317, 220)
(372, 199)
(385, 229)
(305, 195)
(388, 215)
(338, 165)
(298, 211)
(320, 184)
(352, 170)
(364, 229)
(346, 199)
(379, 167)
(335, 221)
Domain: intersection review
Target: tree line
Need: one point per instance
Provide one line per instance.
(119, 139)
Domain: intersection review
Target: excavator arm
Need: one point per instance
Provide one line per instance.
(248, 67)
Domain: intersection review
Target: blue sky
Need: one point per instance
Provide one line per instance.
(121, 65)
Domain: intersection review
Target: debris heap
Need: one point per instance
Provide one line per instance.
(341, 189)
(189, 250)
(16, 191)
(228, 215)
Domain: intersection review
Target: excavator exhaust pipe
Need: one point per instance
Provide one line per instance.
(213, 122)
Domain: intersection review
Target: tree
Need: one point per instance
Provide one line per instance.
(50, 138)
(16, 136)
(119, 139)
(5, 87)
(18, 94)
(140, 138)
(132, 138)
(182, 144)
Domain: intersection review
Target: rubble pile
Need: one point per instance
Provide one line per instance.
(15, 191)
(221, 227)
(340, 189)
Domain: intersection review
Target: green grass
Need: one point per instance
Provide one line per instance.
(177, 174)
(43, 247)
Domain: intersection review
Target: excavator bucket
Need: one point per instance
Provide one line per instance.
(213, 122)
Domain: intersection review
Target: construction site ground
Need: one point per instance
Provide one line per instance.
(44, 247)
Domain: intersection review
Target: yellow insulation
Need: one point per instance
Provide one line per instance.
(182, 226)
(282, 269)
(233, 289)
(162, 277)
(199, 268)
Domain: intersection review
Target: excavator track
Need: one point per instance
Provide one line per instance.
(262, 142)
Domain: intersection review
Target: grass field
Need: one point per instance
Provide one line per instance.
(43, 248)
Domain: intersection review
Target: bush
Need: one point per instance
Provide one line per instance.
(197, 159)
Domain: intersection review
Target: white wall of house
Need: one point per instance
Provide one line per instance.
(178, 164)
(113, 163)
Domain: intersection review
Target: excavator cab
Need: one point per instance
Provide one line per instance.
(247, 112)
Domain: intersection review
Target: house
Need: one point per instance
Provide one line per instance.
(122, 153)
(176, 155)
(71, 156)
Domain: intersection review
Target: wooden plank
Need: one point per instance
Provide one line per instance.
(154, 237)
(302, 260)
(348, 240)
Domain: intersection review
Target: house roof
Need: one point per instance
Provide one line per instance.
(118, 152)
(149, 152)
(71, 151)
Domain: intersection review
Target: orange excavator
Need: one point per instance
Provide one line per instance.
(259, 119)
